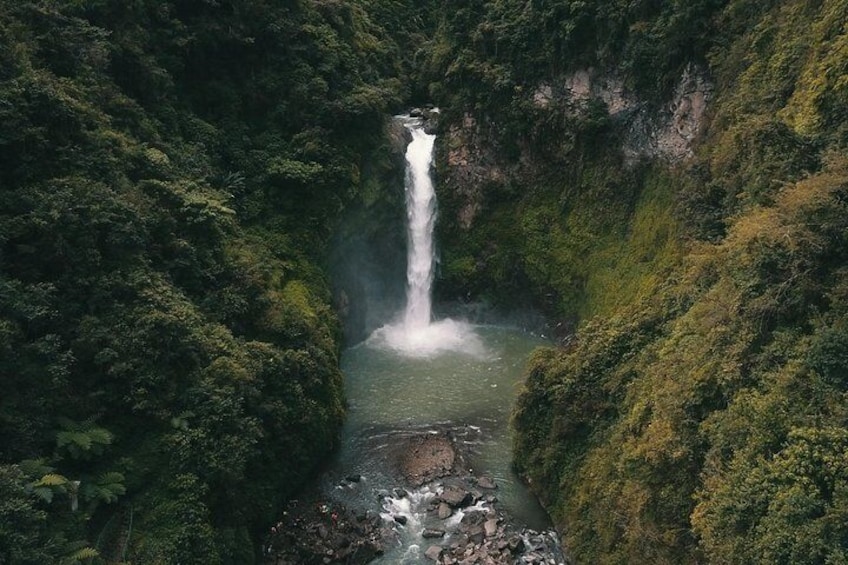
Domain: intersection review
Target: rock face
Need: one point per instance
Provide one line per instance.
(473, 167)
(668, 135)
(664, 133)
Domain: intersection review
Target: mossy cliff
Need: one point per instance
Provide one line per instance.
(675, 192)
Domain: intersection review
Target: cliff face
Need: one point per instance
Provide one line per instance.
(692, 232)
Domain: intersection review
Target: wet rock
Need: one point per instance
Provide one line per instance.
(445, 511)
(433, 553)
(473, 518)
(429, 533)
(427, 458)
(516, 544)
(456, 497)
(401, 519)
(353, 478)
(476, 534)
(491, 527)
(320, 532)
(486, 482)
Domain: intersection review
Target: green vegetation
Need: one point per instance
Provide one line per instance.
(172, 173)
(698, 413)
(175, 174)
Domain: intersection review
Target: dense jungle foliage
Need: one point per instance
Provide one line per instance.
(698, 414)
(173, 179)
(171, 173)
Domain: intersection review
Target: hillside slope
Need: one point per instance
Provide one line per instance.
(698, 411)
(171, 175)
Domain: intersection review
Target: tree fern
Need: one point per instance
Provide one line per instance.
(107, 488)
(51, 480)
(78, 552)
(82, 440)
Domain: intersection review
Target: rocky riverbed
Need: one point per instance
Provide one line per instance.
(442, 511)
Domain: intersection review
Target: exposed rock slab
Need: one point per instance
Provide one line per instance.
(427, 458)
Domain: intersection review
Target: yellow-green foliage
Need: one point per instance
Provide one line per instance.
(700, 415)
(630, 266)
(702, 401)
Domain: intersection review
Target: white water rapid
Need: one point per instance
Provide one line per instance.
(415, 334)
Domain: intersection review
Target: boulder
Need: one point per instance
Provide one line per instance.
(433, 553)
(486, 482)
(445, 511)
(476, 534)
(516, 544)
(455, 496)
(400, 519)
(472, 518)
(491, 527)
(430, 533)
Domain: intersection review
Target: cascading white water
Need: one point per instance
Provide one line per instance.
(416, 334)
(421, 218)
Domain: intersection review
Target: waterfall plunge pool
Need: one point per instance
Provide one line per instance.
(392, 394)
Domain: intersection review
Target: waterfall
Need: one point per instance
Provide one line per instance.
(421, 218)
(415, 334)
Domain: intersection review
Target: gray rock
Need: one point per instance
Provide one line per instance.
(516, 544)
(455, 496)
(491, 527)
(472, 518)
(400, 519)
(445, 511)
(429, 533)
(476, 534)
(486, 482)
(433, 553)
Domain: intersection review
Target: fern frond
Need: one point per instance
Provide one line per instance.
(110, 478)
(51, 480)
(85, 553)
(44, 493)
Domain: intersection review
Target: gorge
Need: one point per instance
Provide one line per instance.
(204, 313)
(428, 406)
